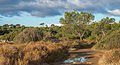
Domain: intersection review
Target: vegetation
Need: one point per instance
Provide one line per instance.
(33, 54)
(77, 22)
(110, 58)
(28, 35)
(8, 32)
(111, 41)
(79, 28)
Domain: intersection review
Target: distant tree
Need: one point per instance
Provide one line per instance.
(23, 26)
(46, 25)
(42, 24)
(52, 25)
(17, 25)
(5, 25)
(12, 26)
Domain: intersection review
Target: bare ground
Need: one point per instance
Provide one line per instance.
(91, 55)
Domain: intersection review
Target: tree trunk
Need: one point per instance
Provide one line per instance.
(103, 33)
(81, 36)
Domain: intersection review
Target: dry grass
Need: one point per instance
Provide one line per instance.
(110, 58)
(33, 53)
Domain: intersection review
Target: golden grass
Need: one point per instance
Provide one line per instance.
(110, 58)
(33, 53)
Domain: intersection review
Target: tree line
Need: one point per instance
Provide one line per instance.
(76, 26)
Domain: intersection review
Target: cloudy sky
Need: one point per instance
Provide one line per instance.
(33, 12)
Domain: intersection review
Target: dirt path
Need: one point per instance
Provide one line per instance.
(91, 55)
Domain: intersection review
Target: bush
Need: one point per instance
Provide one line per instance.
(109, 42)
(33, 54)
(9, 36)
(28, 35)
(110, 58)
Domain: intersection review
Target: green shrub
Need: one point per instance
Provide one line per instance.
(90, 38)
(10, 36)
(28, 35)
(109, 42)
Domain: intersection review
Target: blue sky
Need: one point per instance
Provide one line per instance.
(34, 12)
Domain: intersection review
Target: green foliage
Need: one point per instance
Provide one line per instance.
(76, 26)
(76, 23)
(28, 35)
(11, 35)
(109, 42)
(42, 24)
(91, 38)
(102, 26)
(76, 17)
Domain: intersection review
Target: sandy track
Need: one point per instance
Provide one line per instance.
(91, 55)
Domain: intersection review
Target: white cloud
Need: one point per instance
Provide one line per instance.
(115, 12)
(44, 8)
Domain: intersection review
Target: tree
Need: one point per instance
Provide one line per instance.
(23, 26)
(42, 24)
(5, 25)
(114, 26)
(104, 25)
(17, 25)
(52, 25)
(102, 28)
(77, 21)
(12, 26)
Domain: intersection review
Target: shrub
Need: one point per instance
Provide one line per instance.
(9, 36)
(110, 58)
(109, 42)
(33, 54)
(28, 35)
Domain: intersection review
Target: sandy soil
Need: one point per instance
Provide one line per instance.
(91, 55)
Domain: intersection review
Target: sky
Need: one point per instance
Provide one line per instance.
(34, 12)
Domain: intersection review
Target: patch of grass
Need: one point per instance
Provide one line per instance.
(110, 58)
(33, 53)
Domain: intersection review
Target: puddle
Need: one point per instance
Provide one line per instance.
(81, 60)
